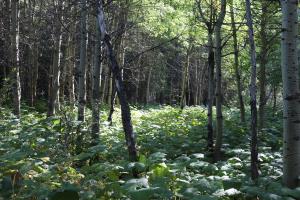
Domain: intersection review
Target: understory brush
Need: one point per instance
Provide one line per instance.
(41, 157)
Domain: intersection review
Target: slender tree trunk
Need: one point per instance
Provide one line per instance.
(70, 65)
(196, 97)
(274, 100)
(34, 76)
(218, 58)
(53, 100)
(15, 59)
(254, 151)
(112, 104)
(7, 38)
(291, 98)
(263, 63)
(210, 100)
(110, 88)
(236, 66)
(82, 65)
(55, 69)
(63, 80)
(96, 85)
(104, 87)
(125, 109)
(185, 72)
(137, 88)
(148, 86)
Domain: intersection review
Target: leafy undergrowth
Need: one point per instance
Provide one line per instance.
(53, 158)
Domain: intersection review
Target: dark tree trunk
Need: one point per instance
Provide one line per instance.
(211, 65)
(254, 150)
(263, 63)
(125, 109)
(96, 86)
(236, 65)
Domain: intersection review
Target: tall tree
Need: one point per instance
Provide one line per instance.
(82, 65)
(210, 25)
(236, 64)
(15, 56)
(263, 63)
(254, 151)
(291, 97)
(125, 109)
(55, 68)
(185, 76)
(96, 84)
(218, 58)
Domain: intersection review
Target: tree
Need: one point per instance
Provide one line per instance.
(96, 84)
(236, 64)
(185, 77)
(55, 68)
(263, 63)
(211, 65)
(82, 65)
(125, 109)
(291, 98)
(15, 59)
(218, 58)
(254, 151)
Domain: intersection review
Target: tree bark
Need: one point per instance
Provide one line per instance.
(218, 60)
(236, 65)
(274, 100)
(291, 94)
(148, 86)
(263, 63)
(54, 79)
(185, 73)
(82, 65)
(210, 100)
(112, 104)
(15, 57)
(70, 65)
(125, 109)
(254, 151)
(53, 100)
(96, 86)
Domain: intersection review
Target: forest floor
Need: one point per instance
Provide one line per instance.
(38, 158)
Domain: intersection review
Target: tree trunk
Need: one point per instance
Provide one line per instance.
(7, 39)
(16, 88)
(112, 104)
(82, 65)
(34, 75)
(274, 100)
(210, 100)
(70, 65)
(125, 109)
(254, 151)
(218, 59)
(104, 87)
(185, 73)
(263, 63)
(96, 85)
(236, 66)
(291, 105)
(148, 86)
(55, 69)
(53, 100)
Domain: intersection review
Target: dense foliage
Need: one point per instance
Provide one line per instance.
(173, 164)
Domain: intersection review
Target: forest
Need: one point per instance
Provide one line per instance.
(149, 99)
